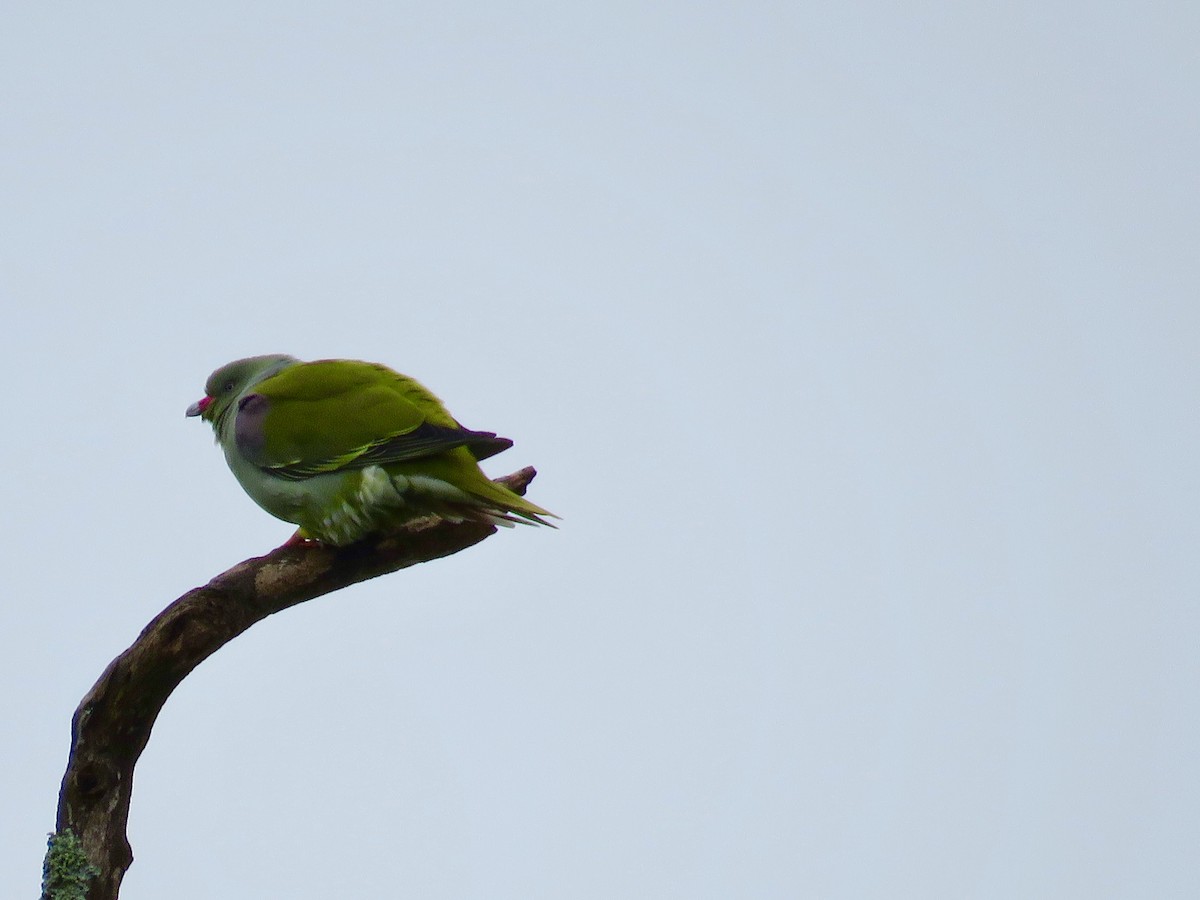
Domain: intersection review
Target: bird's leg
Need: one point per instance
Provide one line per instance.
(298, 539)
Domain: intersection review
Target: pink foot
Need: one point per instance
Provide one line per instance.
(297, 539)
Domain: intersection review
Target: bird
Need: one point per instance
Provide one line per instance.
(347, 449)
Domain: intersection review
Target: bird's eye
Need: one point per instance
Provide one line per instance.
(228, 387)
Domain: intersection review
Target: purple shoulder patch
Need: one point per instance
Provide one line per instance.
(249, 426)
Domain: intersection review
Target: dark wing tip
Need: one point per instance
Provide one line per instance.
(485, 444)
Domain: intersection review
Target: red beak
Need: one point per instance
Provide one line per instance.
(198, 408)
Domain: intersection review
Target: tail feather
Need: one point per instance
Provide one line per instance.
(482, 501)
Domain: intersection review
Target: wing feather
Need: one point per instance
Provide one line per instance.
(335, 414)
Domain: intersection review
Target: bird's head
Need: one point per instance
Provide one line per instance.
(230, 382)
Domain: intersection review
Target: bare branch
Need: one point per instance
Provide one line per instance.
(112, 724)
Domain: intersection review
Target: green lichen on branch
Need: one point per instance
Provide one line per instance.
(66, 872)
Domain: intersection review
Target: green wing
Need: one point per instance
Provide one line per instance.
(334, 414)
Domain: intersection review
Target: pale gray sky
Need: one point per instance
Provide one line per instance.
(855, 343)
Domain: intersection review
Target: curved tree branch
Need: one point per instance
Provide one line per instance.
(112, 724)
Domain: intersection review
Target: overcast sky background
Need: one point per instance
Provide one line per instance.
(854, 342)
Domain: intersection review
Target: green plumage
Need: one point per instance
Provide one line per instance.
(345, 449)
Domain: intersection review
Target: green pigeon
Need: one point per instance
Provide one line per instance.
(346, 449)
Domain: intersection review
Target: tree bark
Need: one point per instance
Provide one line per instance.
(112, 724)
